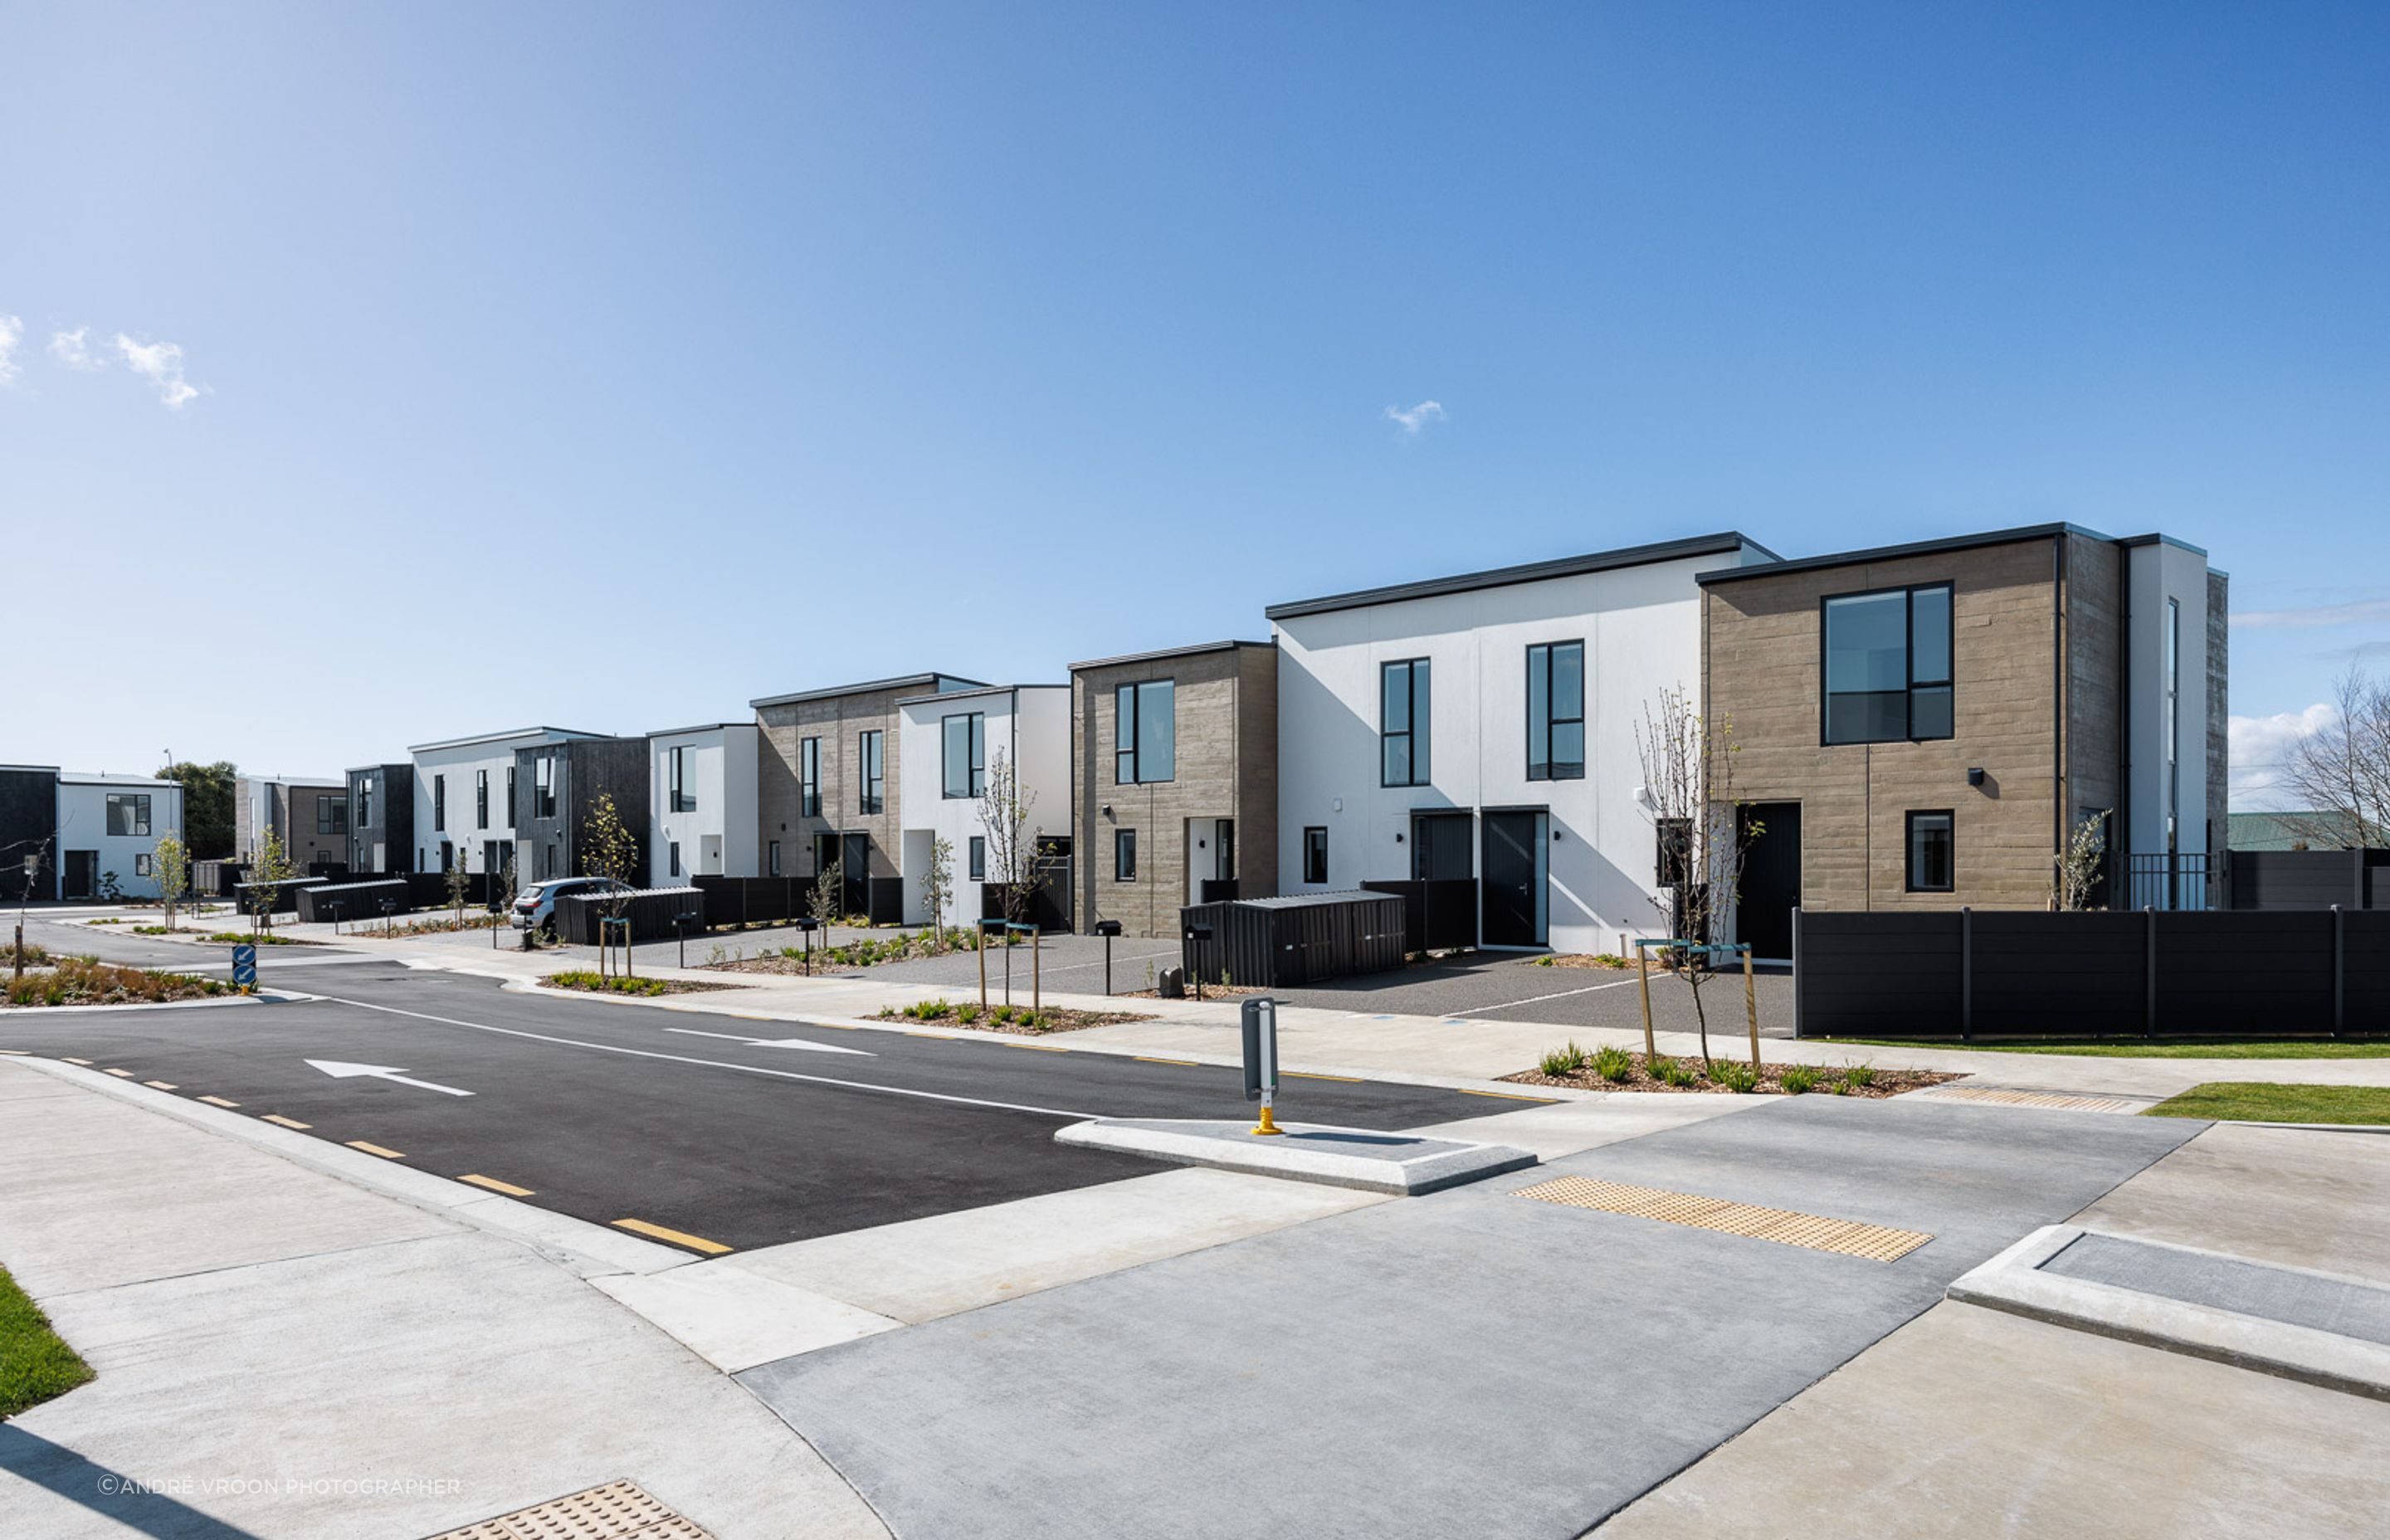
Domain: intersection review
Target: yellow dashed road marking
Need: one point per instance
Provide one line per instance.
(124, 1073)
(1306, 1075)
(933, 1036)
(495, 1185)
(219, 1101)
(79, 1061)
(17, 1053)
(286, 1122)
(376, 1150)
(1040, 1047)
(695, 1243)
(160, 1085)
(1189, 1063)
(1509, 1096)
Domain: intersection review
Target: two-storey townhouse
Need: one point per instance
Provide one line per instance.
(703, 802)
(959, 748)
(382, 819)
(1486, 725)
(309, 815)
(466, 797)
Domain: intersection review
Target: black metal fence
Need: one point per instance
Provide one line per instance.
(429, 890)
(1439, 915)
(2309, 879)
(2034, 973)
(1307, 939)
(282, 900)
(352, 901)
(2174, 880)
(654, 914)
(754, 900)
(1046, 908)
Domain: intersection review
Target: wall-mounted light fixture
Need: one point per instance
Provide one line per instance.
(1975, 774)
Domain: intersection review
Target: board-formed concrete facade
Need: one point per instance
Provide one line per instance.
(1224, 773)
(2059, 694)
(789, 832)
(309, 815)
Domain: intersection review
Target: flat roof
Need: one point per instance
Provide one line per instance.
(928, 683)
(101, 778)
(45, 769)
(1931, 547)
(700, 727)
(500, 738)
(1532, 571)
(979, 689)
(1167, 653)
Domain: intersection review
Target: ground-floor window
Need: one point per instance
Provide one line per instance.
(1315, 854)
(675, 858)
(1124, 855)
(772, 858)
(141, 864)
(979, 858)
(1932, 856)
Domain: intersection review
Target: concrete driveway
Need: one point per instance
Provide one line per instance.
(1472, 1362)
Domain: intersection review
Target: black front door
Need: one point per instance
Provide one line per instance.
(82, 873)
(856, 859)
(1771, 879)
(1513, 879)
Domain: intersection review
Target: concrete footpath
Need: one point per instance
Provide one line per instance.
(283, 1353)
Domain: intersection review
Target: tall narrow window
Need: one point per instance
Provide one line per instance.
(1403, 722)
(675, 857)
(481, 798)
(365, 800)
(514, 816)
(1932, 856)
(1315, 854)
(543, 786)
(682, 765)
(2173, 724)
(1556, 712)
(1145, 733)
(871, 769)
(809, 778)
(1124, 855)
(1674, 866)
(965, 753)
(1887, 662)
(977, 858)
(439, 802)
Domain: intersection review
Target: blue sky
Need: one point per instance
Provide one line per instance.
(835, 342)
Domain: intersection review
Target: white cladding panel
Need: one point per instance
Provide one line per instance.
(1028, 726)
(716, 836)
(82, 826)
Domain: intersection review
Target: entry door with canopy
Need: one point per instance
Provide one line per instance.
(1513, 881)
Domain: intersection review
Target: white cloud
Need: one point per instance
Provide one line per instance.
(12, 331)
(74, 349)
(2262, 745)
(1415, 418)
(161, 365)
(2355, 613)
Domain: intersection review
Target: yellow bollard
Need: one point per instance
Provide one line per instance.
(1268, 1124)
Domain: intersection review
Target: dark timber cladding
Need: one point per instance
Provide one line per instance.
(1301, 939)
(28, 826)
(381, 818)
(554, 801)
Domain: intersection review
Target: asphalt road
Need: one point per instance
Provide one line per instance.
(683, 1120)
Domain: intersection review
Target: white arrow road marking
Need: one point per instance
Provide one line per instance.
(771, 1041)
(339, 1070)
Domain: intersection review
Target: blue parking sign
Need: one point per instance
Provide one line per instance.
(244, 965)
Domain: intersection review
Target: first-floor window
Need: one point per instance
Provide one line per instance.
(1932, 856)
(772, 858)
(1124, 855)
(1314, 854)
(675, 858)
(128, 814)
(979, 858)
(872, 767)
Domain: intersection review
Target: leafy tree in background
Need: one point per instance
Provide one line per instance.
(207, 807)
(269, 864)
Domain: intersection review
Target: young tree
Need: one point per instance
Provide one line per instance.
(827, 902)
(938, 888)
(170, 864)
(2341, 774)
(1689, 775)
(2076, 868)
(611, 850)
(269, 868)
(460, 882)
(33, 857)
(1005, 811)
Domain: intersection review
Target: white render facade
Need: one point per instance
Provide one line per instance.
(112, 823)
(941, 765)
(1547, 811)
(702, 803)
(464, 802)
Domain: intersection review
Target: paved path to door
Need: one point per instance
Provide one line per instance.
(1472, 1362)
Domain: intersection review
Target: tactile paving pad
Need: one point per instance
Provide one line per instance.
(2067, 1101)
(1816, 1232)
(618, 1511)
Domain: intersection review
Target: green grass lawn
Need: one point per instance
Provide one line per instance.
(2154, 1047)
(34, 1365)
(2269, 1101)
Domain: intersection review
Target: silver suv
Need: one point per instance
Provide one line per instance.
(535, 906)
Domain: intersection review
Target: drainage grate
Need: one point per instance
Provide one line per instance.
(2068, 1100)
(1817, 1233)
(616, 1511)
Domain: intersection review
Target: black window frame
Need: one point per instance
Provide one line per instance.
(678, 765)
(325, 809)
(872, 772)
(673, 868)
(976, 854)
(1551, 771)
(439, 802)
(1124, 855)
(1132, 722)
(1672, 856)
(1949, 818)
(772, 858)
(543, 786)
(809, 777)
(138, 814)
(482, 798)
(365, 801)
(514, 816)
(974, 749)
(1315, 854)
(1908, 593)
(1419, 747)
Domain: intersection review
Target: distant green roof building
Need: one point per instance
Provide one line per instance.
(2298, 831)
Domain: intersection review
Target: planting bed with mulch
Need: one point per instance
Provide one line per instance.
(1019, 1020)
(367, 928)
(1605, 961)
(1620, 1069)
(590, 983)
(1210, 990)
(88, 981)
